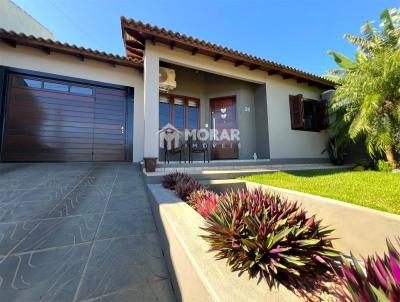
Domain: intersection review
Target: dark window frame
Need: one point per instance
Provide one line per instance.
(43, 81)
(186, 99)
(297, 113)
(14, 84)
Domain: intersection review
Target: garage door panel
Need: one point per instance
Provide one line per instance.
(43, 125)
(16, 92)
(31, 100)
(37, 106)
(22, 139)
(48, 112)
(111, 100)
(111, 107)
(51, 150)
(36, 122)
(108, 146)
(48, 156)
(108, 140)
(28, 116)
(100, 91)
(36, 129)
(106, 112)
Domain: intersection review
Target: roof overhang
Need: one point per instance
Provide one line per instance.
(135, 34)
(48, 46)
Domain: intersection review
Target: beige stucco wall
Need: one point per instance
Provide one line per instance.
(14, 18)
(284, 142)
(66, 65)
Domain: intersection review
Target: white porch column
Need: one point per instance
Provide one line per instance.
(151, 102)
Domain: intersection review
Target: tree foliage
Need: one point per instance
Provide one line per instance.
(367, 97)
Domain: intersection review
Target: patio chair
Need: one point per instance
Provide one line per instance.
(174, 150)
(196, 146)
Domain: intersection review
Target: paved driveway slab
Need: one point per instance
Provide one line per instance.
(78, 232)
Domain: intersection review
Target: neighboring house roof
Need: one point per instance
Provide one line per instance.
(48, 46)
(135, 33)
(13, 17)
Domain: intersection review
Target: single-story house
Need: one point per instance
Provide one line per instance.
(61, 102)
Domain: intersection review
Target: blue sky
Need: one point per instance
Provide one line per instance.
(293, 32)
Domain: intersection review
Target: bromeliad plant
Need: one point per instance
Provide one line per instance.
(184, 187)
(203, 201)
(169, 181)
(378, 282)
(271, 239)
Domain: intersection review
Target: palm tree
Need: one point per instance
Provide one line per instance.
(368, 91)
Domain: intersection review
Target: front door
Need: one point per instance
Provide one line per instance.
(223, 120)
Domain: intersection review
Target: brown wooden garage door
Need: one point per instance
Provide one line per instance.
(49, 120)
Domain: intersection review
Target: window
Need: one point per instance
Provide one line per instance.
(81, 90)
(165, 114)
(306, 114)
(24, 82)
(56, 86)
(181, 112)
(193, 114)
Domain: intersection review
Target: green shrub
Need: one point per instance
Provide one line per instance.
(384, 166)
(271, 239)
(336, 151)
(366, 163)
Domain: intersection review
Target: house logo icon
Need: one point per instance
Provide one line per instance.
(169, 137)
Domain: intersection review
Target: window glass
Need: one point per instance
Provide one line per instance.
(164, 112)
(56, 86)
(309, 116)
(81, 90)
(179, 113)
(193, 115)
(24, 82)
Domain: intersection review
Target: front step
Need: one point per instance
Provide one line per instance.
(232, 172)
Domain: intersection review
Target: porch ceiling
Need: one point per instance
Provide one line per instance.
(135, 34)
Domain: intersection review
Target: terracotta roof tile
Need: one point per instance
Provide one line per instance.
(57, 46)
(195, 42)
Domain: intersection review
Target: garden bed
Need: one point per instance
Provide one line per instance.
(274, 236)
(361, 230)
(196, 275)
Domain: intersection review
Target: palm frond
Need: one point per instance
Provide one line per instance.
(369, 31)
(337, 72)
(388, 18)
(343, 61)
(363, 44)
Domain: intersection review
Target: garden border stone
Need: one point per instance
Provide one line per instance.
(195, 274)
(361, 230)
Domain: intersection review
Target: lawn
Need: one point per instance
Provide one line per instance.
(376, 190)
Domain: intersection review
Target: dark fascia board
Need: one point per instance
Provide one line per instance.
(64, 48)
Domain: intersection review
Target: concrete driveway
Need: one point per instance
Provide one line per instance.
(78, 232)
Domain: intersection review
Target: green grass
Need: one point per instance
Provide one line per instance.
(376, 190)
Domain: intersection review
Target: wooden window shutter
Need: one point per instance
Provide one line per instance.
(296, 111)
(320, 116)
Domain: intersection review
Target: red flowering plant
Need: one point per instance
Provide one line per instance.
(271, 239)
(203, 201)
